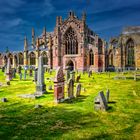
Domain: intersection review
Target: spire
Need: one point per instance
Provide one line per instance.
(33, 37)
(25, 44)
(71, 14)
(44, 35)
(84, 16)
(57, 21)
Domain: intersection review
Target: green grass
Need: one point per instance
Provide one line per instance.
(76, 119)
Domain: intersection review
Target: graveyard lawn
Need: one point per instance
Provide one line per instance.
(74, 119)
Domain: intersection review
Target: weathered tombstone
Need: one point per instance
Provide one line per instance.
(40, 87)
(78, 78)
(14, 73)
(107, 95)
(8, 71)
(4, 100)
(3, 69)
(59, 85)
(78, 90)
(70, 88)
(19, 69)
(25, 74)
(100, 102)
(72, 75)
(31, 72)
(50, 87)
(20, 75)
(89, 73)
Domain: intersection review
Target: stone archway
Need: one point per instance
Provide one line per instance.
(70, 65)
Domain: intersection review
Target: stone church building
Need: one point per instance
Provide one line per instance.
(71, 44)
(124, 50)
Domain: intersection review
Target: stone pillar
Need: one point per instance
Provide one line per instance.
(40, 87)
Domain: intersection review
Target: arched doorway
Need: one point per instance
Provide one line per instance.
(70, 65)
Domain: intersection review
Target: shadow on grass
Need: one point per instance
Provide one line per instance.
(22, 122)
(78, 99)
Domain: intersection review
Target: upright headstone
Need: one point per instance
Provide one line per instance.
(25, 73)
(3, 69)
(19, 69)
(72, 75)
(78, 78)
(78, 90)
(59, 85)
(100, 102)
(70, 88)
(30, 72)
(20, 76)
(40, 87)
(8, 71)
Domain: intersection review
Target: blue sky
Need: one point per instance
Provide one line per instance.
(105, 17)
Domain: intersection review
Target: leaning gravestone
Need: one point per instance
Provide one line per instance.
(40, 86)
(78, 78)
(78, 90)
(100, 102)
(107, 95)
(8, 71)
(70, 88)
(59, 85)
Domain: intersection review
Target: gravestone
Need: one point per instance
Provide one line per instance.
(78, 90)
(25, 74)
(19, 69)
(3, 69)
(14, 73)
(50, 87)
(107, 95)
(8, 71)
(72, 75)
(59, 85)
(31, 72)
(4, 100)
(100, 102)
(89, 73)
(40, 86)
(70, 88)
(78, 78)
(20, 75)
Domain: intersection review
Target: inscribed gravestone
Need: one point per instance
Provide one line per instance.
(78, 90)
(70, 88)
(59, 85)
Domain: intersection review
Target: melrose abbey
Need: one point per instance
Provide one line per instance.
(73, 44)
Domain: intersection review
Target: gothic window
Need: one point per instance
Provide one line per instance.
(100, 46)
(20, 59)
(32, 58)
(91, 58)
(45, 58)
(71, 43)
(130, 55)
